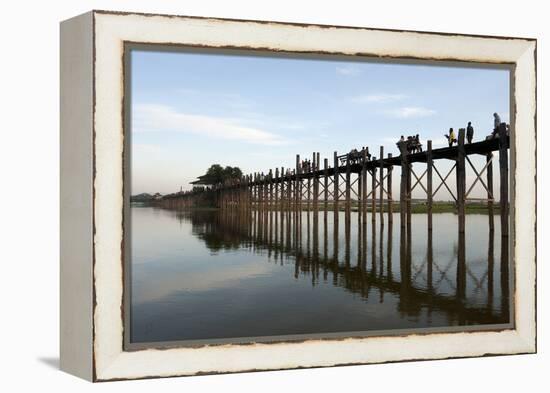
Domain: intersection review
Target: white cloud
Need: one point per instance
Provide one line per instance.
(151, 117)
(348, 70)
(146, 148)
(378, 98)
(408, 112)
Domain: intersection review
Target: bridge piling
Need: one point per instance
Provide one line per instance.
(373, 194)
(503, 161)
(390, 193)
(429, 174)
(461, 181)
(490, 197)
(381, 185)
(403, 186)
(336, 185)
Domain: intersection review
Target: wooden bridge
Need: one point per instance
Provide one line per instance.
(366, 184)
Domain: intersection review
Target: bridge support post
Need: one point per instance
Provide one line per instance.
(390, 192)
(490, 192)
(373, 194)
(289, 205)
(359, 201)
(403, 186)
(297, 199)
(325, 205)
(429, 174)
(364, 196)
(461, 182)
(381, 185)
(336, 184)
(503, 161)
(336, 195)
(348, 192)
(409, 203)
(276, 203)
(270, 204)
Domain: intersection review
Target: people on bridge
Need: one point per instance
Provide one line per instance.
(470, 132)
(417, 146)
(365, 151)
(400, 142)
(496, 126)
(497, 122)
(451, 137)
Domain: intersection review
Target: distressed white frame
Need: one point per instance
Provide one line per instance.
(111, 30)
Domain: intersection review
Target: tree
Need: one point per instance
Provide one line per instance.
(217, 174)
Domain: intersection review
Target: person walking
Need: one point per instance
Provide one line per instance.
(418, 144)
(470, 132)
(497, 122)
(451, 137)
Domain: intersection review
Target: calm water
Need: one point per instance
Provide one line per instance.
(212, 275)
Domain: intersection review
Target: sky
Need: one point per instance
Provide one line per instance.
(191, 110)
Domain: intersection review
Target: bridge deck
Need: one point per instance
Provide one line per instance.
(448, 153)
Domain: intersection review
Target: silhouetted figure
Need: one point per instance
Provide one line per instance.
(451, 138)
(417, 143)
(497, 121)
(401, 142)
(470, 132)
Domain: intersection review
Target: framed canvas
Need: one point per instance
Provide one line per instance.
(246, 195)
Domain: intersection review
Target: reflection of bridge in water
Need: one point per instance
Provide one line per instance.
(367, 267)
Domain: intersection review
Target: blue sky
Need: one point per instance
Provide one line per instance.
(192, 110)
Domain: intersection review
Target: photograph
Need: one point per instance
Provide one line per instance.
(280, 197)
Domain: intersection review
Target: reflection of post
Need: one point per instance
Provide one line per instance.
(490, 194)
(373, 247)
(347, 240)
(503, 160)
(404, 267)
(389, 272)
(429, 173)
(505, 280)
(335, 238)
(381, 250)
(491, 270)
(461, 267)
(360, 246)
(430, 258)
(381, 185)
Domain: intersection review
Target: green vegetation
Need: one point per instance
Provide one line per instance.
(216, 174)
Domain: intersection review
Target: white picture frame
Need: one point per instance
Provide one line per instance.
(92, 191)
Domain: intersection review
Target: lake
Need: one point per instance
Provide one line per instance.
(218, 275)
